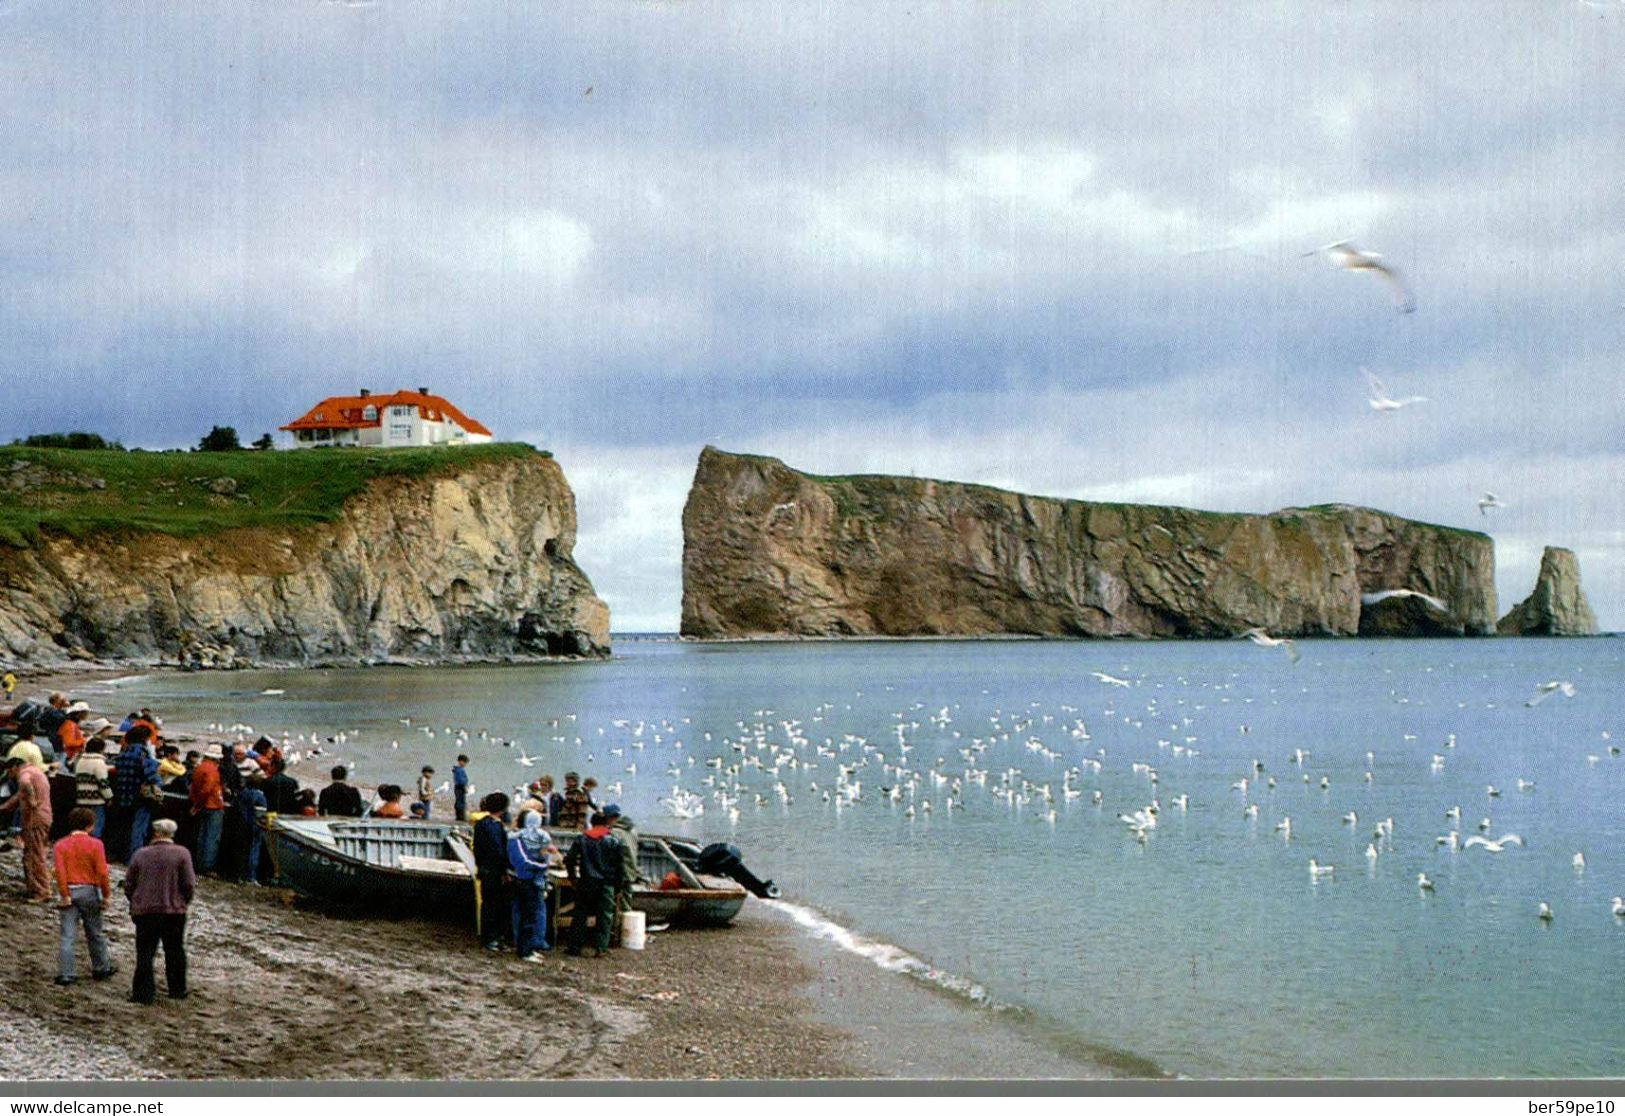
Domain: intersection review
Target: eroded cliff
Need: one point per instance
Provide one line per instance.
(1558, 606)
(769, 551)
(464, 562)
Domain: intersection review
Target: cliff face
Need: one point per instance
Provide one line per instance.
(1558, 606)
(474, 563)
(769, 551)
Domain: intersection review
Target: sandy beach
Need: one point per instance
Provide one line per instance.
(303, 994)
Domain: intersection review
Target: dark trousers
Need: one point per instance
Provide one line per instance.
(496, 912)
(152, 930)
(596, 901)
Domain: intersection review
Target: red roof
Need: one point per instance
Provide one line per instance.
(344, 412)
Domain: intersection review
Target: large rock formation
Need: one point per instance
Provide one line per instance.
(1558, 606)
(469, 563)
(769, 551)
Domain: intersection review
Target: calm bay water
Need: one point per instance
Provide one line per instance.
(1208, 949)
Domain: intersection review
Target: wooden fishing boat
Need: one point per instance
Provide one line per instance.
(416, 868)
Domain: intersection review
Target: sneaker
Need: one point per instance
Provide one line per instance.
(110, 971)
(63, 980)
(534, 958)
(492, 947)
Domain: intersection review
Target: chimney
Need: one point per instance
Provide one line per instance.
(365, 392)
(423, 391)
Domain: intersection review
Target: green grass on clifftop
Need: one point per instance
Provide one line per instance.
(80, 492)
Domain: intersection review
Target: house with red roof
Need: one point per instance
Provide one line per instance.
(405, 418)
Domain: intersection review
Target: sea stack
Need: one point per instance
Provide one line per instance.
(770, 552)
(1558, 606)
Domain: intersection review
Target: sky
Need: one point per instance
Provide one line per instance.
(1055, 247)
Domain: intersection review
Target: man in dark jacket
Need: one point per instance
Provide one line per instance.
(594, 864)
(339, 799)
(491, 868)
(280, 791)
(626, 832)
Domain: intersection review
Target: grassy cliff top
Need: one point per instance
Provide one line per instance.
(78, 492)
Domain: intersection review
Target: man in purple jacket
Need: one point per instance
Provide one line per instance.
(160, 882)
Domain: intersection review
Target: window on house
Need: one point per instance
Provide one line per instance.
(369, 413)
(400, 432)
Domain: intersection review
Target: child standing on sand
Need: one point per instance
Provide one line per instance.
(426, 790)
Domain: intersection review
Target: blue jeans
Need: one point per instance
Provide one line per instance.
(252, 872)
(86, 910)
(461, 807)
(101, 820)
(140, 824)
(529, 916)
(209, 824)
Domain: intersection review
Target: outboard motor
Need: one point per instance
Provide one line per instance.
(723, 859)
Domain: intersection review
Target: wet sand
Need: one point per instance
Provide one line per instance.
(296, 993)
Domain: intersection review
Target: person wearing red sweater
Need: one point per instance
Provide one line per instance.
(208, 807)
(84, 889)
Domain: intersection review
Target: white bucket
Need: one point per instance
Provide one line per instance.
(632, 930)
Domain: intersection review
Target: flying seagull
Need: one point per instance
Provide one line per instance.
(1264, 639)
(1383, 594)
(1346, 255)
(1488, 501)
(1108, 679)
(1547, 689)
(1380, 399)
(1498, 845)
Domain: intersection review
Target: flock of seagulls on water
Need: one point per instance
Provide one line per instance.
(1038, 764)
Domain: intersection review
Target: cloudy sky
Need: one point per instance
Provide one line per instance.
(1050, 246)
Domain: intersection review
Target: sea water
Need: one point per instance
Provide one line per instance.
(1207, 948)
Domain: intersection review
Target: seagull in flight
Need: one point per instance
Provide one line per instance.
(1380, 399)
(1547, 689)
(1487, 501)
(1108, 679)
(1346, 255)
(523, 759)
(1264, 639)
(1383, 594)
(1495, 846)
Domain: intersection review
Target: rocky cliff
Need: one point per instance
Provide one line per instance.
(769, 551)
(468, 562)
(1558, 606)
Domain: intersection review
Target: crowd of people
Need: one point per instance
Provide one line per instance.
(78, 792)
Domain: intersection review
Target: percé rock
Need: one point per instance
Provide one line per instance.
(1558, 606)
(473, 563)
(772, 552)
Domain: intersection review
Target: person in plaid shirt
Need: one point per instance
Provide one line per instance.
(130, 815)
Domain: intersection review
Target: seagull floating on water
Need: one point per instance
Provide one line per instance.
(1318, 869)
(1346, 255)
(1545, 914)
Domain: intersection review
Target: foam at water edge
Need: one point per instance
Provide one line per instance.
(887, 956)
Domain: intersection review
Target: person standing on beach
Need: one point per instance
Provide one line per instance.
(135, 788)
(70, 734)
(339, 799)
(530, 852)
(93, 787)
(575, 809)
(248, 807)
(459, 789)
(33, 801)
(426, 790)
(208, 807)
(594, 864)
(626, 832)
(160, 883)
(491, 869)
(84, 888)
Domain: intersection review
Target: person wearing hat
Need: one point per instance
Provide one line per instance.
(70, 735)
(33, 799)
(622, 827)
(208, 807)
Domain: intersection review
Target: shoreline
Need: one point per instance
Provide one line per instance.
(761, 1000)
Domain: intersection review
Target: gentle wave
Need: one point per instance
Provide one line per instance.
(894, 959)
